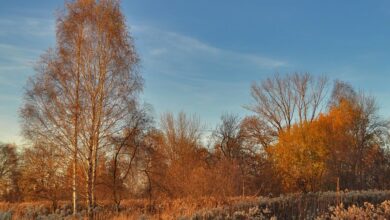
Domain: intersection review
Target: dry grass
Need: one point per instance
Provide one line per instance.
(130, 209)
(367, 211)
(306, 206)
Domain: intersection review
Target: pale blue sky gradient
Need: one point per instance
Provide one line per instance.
(202, 56)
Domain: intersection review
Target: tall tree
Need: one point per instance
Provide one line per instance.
(361, 132)
(281, 103)
(84, 90)
(294, 98)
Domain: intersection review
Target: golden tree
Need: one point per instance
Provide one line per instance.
(84, 89)
(300, 157)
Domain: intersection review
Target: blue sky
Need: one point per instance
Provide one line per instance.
(202, 56)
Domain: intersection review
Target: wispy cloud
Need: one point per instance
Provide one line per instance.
(179, 70)
(166, 45)
(17, 56)
(21, 41)
(16, 63)
(27, 26)
(185, 73)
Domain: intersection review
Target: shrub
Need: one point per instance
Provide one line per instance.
(367, 211)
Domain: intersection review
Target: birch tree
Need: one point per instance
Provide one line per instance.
(84, 89)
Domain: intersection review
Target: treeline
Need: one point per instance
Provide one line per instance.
(341, 146)
(91, 139)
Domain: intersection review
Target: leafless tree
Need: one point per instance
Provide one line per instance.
(182, 134)
(240, 143)
(126, 152)
(227, 136)
(256, 133)
(182, 151)
(43, 173)
(282, 101)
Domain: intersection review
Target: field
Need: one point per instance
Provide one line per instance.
(322, 205)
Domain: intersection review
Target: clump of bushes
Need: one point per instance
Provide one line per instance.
(367, 211)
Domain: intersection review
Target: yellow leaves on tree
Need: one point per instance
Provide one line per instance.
(329, 145)
(299, 156)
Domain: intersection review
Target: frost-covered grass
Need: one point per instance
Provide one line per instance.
(130, 209)
(367, 211)
(291, 206)
(34, 210)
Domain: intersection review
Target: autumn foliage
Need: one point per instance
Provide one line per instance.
(91, 139)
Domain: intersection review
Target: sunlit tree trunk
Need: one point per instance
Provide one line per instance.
(76, 121)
